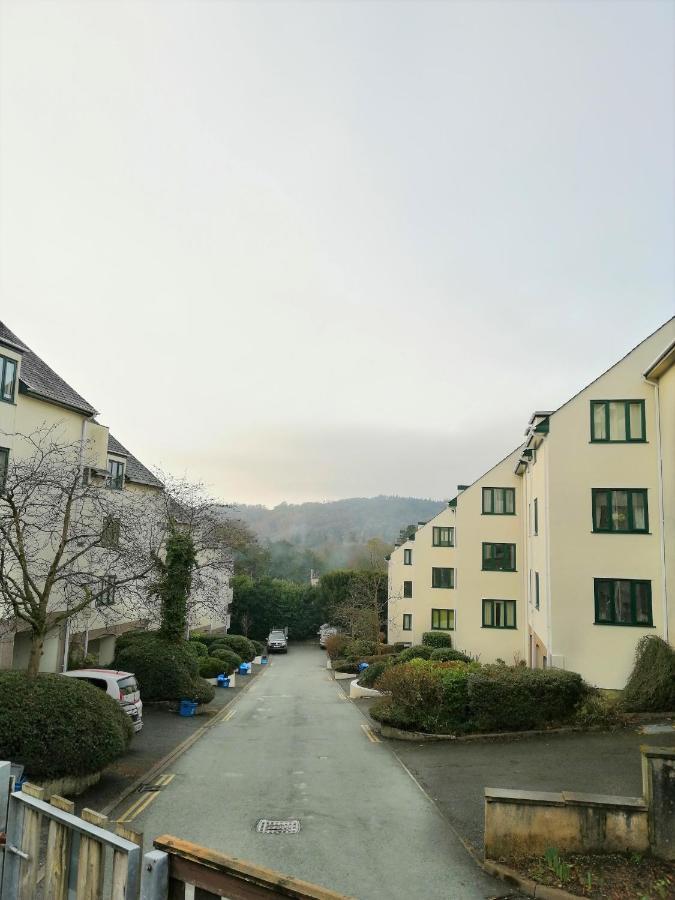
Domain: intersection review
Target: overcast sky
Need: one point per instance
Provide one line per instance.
(317, 250)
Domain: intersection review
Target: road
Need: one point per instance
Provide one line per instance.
(293, 747)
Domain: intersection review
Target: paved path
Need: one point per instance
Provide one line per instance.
(294, 747)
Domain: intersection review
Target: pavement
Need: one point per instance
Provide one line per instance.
(455, 774)
(293, 747)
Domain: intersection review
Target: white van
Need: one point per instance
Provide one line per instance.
(121, 686)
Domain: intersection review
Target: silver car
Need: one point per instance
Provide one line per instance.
(277, 642)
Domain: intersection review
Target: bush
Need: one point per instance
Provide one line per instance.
(212, 667)
(370, 675)
(599, 711)
(228, 658)
(358, 648)
(416, 688)
(335, 644)
(58, 726)
(203, 692)
(651, 686)
(260, 648)
(420, 651)
(165, 670)
(436, 639)
(197, 649)
(238, 644)
(515, 699)
(447, 655)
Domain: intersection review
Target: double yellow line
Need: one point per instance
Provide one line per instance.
(146, 798)
(370, 734)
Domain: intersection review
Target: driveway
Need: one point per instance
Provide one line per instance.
(293, 747)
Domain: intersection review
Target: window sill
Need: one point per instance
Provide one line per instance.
(502, 571)
(441, 629)
(8, 402)
(625, 624)
(501, 627)
(438, 587)
(602, 531)
(637, 441)
(498, 514)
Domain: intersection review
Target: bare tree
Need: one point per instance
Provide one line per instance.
(69, 540)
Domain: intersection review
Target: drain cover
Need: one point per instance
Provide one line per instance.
(277, 826)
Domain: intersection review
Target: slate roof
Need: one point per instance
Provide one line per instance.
(39, 379)
(135, 470)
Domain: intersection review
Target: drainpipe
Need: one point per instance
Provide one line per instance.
(662, 510)
(549, 598)
(66, 645)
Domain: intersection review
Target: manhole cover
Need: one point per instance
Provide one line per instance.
(277, 826)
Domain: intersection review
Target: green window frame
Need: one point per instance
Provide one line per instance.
(535, 516)
(499, 501)
(407, 557)
(443, 536)
(115, 478)
(407, 590)
(4, 466)
(499, 614)
(499, 557)
(623, 602)
(536, 590)
(107, 589)
(8, 370)
(407, 621)
(618, 422)
(620, 510)
(442, 620)
(442, 577)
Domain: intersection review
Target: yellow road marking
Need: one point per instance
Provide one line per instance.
(370, 734)
(226, 718)
(342, 695)
(146, 798)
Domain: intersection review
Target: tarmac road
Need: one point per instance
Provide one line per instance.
(293, 747)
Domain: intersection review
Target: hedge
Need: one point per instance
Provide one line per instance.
(165, 670)
(238, 644)
(196, 648)
(436, 639)
(260, 648)
(370, 675)
(213, 666)
(447, 655)
(228, 658)
(651, 686)
(57, 726)
(420, 651)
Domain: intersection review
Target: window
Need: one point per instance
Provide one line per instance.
(535, 516)
(623, 601)
(620, 510)
(499, 613)
(106, 596)
(499, 501)
(499, 557)
(407, 621)
(443, 537)
(110, 535)
(618, 421)
(442, 620)
(4, 466)
(407, 589)
(536, 590)
(7, 379)
(115, 477)
(442, 578)
(407, 557)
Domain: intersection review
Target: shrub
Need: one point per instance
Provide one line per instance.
(416, 689)
(445, 654)
(238, 644)
(228, 658)
(341, 665)
(417, 652)
(383, 710)
(165, 670)
(197, 649)
(58, 726)
(514, 699)
(203, 692)
(651, 686)
(599, 711)
(335, 644)
(212, 667)
(370, 675)
(260, 648)
(436, 639)
(358, 648)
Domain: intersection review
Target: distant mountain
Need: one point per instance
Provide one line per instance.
(353, 521)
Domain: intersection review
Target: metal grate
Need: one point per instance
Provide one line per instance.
(277, 826)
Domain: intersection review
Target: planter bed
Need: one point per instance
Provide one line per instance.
(356, 690)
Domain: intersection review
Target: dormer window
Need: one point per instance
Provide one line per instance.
(115, 479)
(7, 379)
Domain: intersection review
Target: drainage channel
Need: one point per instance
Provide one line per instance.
(277, 826)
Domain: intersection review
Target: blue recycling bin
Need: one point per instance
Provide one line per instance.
(263, 660)
(187, 708)
(362, 665)
(243, 669)
(223, 681)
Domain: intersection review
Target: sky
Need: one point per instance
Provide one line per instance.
(313, 250)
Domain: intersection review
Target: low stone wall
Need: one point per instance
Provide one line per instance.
(356, 691)
(69, 785)
(528, 822)
(340, 676)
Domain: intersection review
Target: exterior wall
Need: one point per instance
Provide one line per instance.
(667, 421)
(603, 654)
(397, 604)
(473, 585)
(535, 488)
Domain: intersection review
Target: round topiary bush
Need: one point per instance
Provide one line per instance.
(211, 667)
(436, 639)
(165, 670)
(57, 726)
(239, 644)
(420, 651)
(227, 658)
(445, 654)
(196, 648)
(261, 649)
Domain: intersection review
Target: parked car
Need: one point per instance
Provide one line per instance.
(277, 642)
(325, 632)
(121, 686)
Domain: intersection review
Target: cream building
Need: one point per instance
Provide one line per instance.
(33, 396)
(587, 505)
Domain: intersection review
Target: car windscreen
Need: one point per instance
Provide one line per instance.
(277, 636)
(127, 686)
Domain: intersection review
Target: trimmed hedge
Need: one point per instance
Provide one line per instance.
(358, 648)
(228, 658)
(57, 726)
(261, 649)
(448, 655)
(165, 670)
(420, 651)
(238, 644)
(651, 686)
(436, 639)
(369, 676)
(197, 649)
